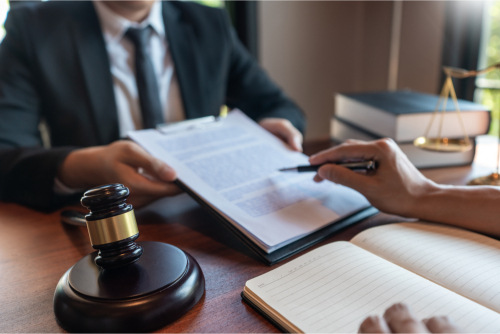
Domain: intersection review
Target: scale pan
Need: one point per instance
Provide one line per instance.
(443, 144)
(490, 180)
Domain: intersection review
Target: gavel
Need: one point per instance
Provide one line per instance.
(112, 226)
(124, 286)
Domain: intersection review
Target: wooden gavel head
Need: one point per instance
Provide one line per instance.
(112, 226)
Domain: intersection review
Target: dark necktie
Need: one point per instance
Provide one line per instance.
(147, 85)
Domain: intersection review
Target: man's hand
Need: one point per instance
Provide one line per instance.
(284, 130)
(399, 319)
(123, 162)
(395, 187)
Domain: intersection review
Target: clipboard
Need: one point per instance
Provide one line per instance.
(280, 253)
(291, 249)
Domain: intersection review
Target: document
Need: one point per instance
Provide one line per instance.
(437, 270)
(233, 166)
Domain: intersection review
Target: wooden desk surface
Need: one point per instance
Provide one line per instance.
(36, 249)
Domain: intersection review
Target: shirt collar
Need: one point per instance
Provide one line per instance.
(115, 26)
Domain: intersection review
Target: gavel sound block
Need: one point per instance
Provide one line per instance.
(124, 286)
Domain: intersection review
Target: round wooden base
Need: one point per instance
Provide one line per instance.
(160, 287)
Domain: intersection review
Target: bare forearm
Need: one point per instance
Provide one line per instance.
(474, 208)
(399, 188)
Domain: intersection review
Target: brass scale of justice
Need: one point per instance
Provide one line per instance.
(443, 144)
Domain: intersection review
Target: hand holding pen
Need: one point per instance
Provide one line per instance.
(396, 187)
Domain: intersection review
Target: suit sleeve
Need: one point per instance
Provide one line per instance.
(27, 170)
(251, 90)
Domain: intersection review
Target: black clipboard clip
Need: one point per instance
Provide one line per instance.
(192, 124)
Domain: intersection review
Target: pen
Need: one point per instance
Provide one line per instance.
(369, 165)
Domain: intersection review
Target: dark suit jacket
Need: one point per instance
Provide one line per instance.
(54, 66)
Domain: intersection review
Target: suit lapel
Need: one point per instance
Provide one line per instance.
(96, 71)
(184, 51)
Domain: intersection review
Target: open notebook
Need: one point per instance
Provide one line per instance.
(231, 167)
(437, 270)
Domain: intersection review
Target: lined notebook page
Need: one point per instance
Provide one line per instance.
(335, 287)
(462, 261)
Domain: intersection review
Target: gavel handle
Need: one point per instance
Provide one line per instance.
(73, 217)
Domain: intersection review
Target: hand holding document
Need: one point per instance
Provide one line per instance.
(233, 166)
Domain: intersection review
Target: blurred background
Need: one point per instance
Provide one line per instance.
(314, 49)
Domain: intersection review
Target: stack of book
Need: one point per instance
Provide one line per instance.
(404, 116)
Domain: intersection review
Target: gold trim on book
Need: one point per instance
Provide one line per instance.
(105, 231)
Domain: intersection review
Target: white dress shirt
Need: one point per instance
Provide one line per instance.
(121, 52)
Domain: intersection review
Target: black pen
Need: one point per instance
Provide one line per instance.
(369, 165)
